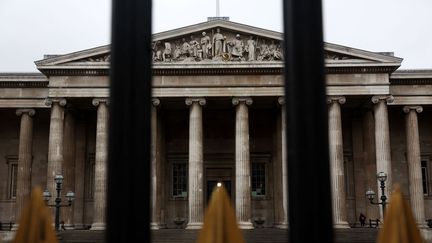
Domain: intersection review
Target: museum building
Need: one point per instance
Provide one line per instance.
(217, 116)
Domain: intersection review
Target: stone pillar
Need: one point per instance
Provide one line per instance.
(55, 143)
(24, 161)
(156, 183)
(80, 158)
(382, 140)
(196, 182)
(283, 204)
(100, 164)
(68, 166)
(242, 163)
(414, 163)
(337, 161)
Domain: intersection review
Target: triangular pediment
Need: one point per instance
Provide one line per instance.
(219, 43)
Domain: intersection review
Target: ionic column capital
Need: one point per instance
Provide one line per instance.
(339, 99)
(155, 102)
(60, 101)
(30, 112)
(417, 108)
(97, 101)
(238, 100)
(281, 100)
(200, 101)
(382, 98)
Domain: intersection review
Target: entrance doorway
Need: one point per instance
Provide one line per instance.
(215, 175)
(211, 185)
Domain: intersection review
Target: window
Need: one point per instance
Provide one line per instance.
(258, 179)
(179, 180)
(90, 177)
(12, 162)
(425, 176)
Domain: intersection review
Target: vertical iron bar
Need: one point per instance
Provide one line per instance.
(310, 215)
(128, 203)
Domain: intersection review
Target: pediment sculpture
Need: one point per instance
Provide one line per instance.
(217, 46)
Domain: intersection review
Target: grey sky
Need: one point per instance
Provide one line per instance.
(29, 28)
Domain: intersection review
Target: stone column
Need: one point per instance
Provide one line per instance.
(382, 140)
(155, 169)
(337, 161)
(55, 143)
(414, 163)
(196, 182)
(283, 224)
(80, 158)
(242, 163)
(100, 164)
(24, 161)
(68, 166)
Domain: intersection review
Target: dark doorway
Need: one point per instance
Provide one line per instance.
(211, 185)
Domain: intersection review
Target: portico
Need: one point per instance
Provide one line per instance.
(216, 119)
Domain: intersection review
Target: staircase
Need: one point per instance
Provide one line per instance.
(261, 235)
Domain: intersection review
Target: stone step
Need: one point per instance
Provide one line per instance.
(265, 235)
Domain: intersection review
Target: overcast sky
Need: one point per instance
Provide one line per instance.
(29, 28)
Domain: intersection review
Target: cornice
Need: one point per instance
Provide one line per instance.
(23, 84)
(411, 77)
(277, 70)
(23, 80)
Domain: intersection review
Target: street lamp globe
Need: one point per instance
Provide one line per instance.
(46, 195)
(70, 196)
(370, 194)
(58, 179)
(381, 176)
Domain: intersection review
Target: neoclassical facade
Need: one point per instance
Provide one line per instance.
(217, 116)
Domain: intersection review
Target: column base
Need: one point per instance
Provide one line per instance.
(341, 225)
(157, 226)
(281, 225)
(98, 226)
(69, 226)
(193, 226)
(15, 227)
(422, 226)
(426, 233)
(245, 225)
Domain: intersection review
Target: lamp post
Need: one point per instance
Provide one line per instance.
(370, 194)
(70, 196)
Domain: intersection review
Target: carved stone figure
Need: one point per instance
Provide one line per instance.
(275, 52)
(157, 52)
(237, 47)
(177, 51)
(335, 56)
(264, 53)
(250, 49)
(218, 43)
(167, 52)
(103, 58)
(185, 48)
(193, 47)
(206, 46)
(278, 54)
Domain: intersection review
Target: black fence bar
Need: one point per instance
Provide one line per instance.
(310, 214)
(128, 204)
